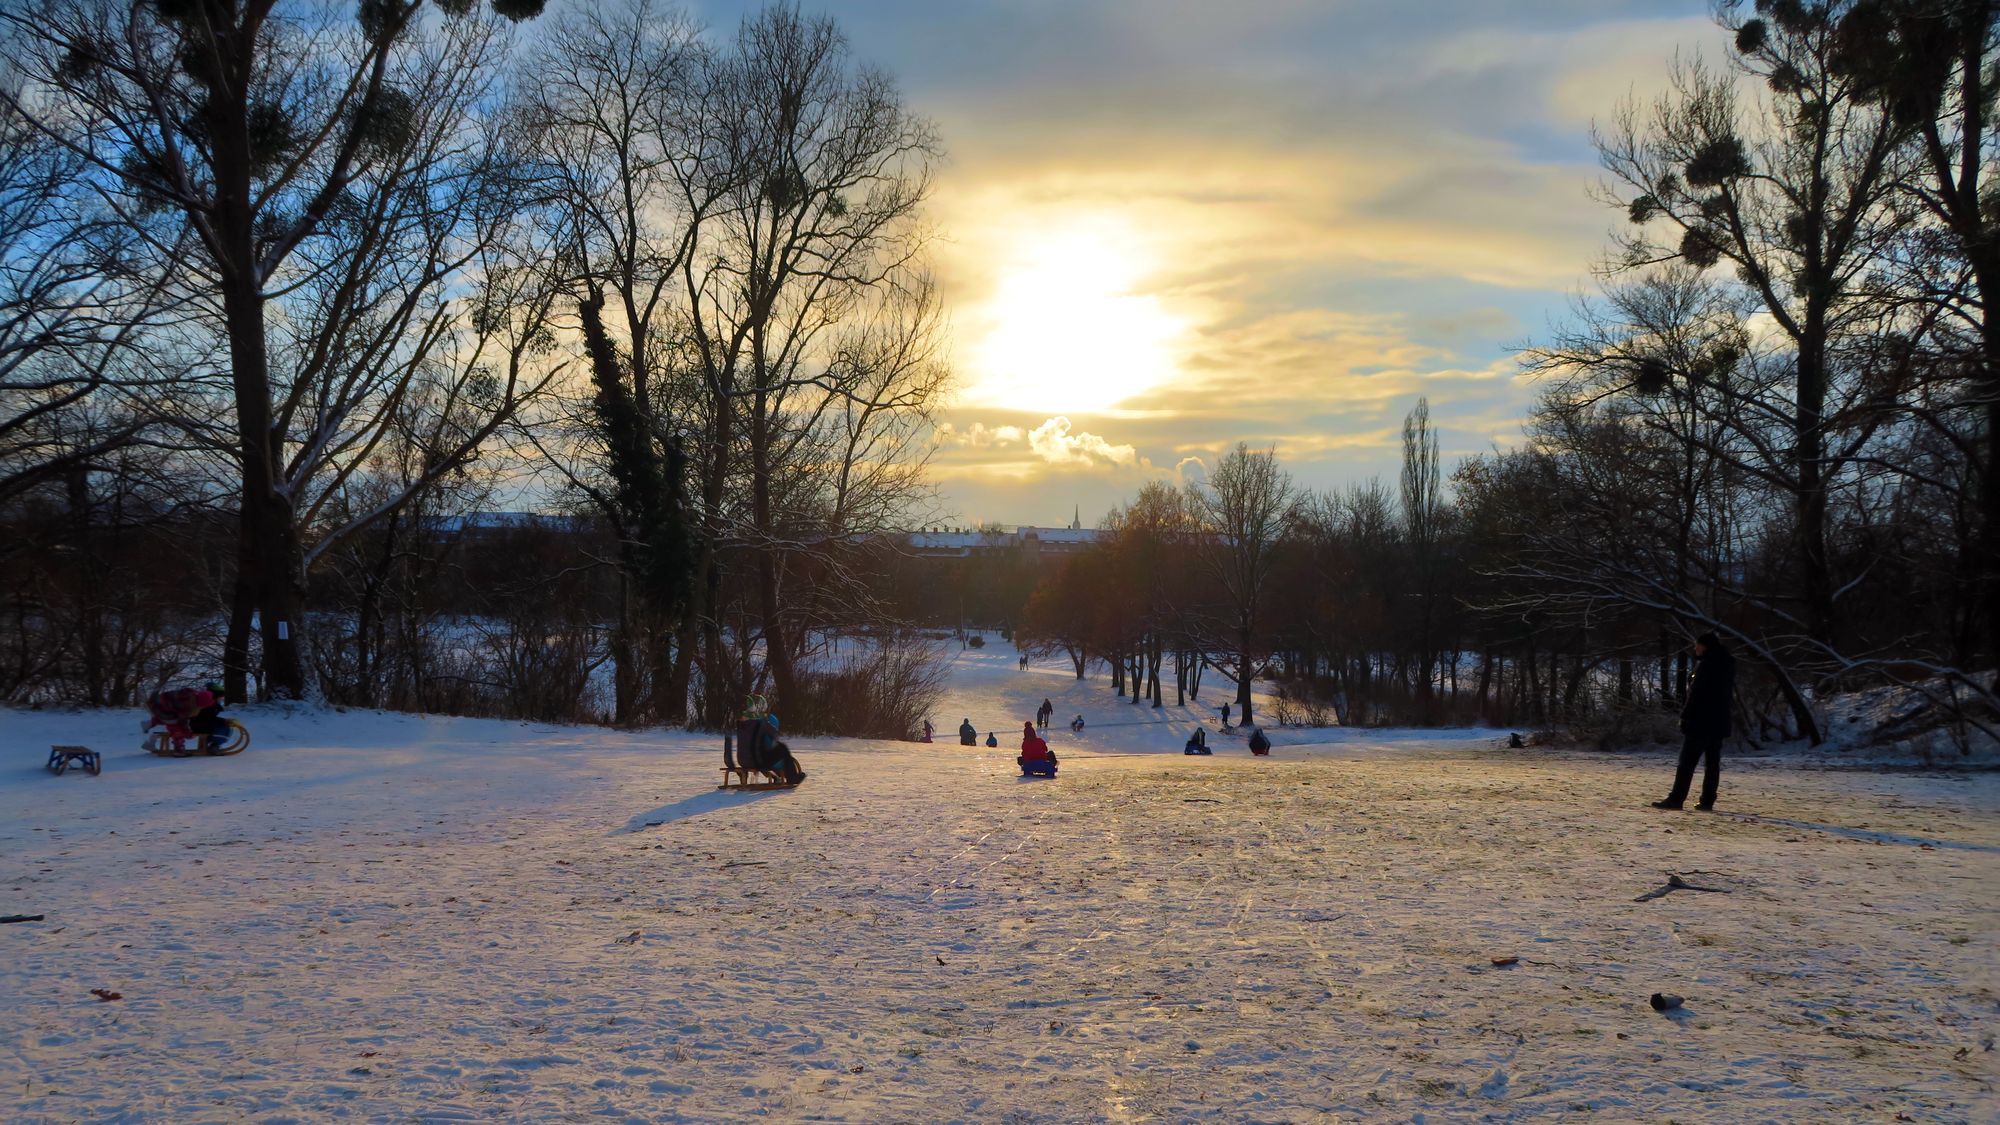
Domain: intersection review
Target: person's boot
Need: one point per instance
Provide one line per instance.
(1705, 806)
(1673, 805)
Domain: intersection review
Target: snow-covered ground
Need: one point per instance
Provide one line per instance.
(374, 917)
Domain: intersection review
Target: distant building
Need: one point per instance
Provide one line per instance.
(1029, 541)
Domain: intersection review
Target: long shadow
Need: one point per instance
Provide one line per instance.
(694, 806)
(1867, 834)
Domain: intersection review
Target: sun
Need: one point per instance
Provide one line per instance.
(1066, 329)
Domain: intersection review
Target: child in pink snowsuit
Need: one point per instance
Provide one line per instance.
(178, 708)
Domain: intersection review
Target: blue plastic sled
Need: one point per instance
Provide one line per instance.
(1040, 767)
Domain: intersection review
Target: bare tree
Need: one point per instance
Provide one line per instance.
(824, 171)
(267, 125)
(1242, 510)
(1424, 512)
(747, 212)
(74, 315)
(1792, 190)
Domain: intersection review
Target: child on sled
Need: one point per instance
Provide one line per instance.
(187, 713)
(1036, 757)
(758, 748)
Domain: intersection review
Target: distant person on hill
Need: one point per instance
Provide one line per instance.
(1045, 713)
(1197, 742)
(1259, 743)
(992, 739)
(1076, 725)
(927, 731)
(1024, 662)
(1225, 716)
(1704, 722)
(968, 735)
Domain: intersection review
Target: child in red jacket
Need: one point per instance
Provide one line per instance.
(1035, 750)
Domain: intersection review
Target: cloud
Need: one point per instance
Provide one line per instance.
(1054, 442)
(1345, 206)
(979, 436)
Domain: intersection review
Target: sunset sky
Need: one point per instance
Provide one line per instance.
(1170, 225)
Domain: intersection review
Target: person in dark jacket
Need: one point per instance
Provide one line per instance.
(967, 734)
(759, 748)
(208, 722)
(1704, 722)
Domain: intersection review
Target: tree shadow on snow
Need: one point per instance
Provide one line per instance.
(694, 806)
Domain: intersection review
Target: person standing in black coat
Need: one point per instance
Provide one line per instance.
(1704, 722)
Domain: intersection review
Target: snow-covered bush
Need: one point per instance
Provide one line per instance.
(883, 692)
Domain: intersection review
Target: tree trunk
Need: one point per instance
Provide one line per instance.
(88, 590)
(624, 668)
(1244, 673)
(1989, 388)
(270, 543)
(777, 646)
(1809, 445)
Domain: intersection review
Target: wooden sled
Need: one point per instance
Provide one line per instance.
(732, 767)
(769, 779)
(235, 740)
(62, 758)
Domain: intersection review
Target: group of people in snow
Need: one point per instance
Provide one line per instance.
(1705, 723)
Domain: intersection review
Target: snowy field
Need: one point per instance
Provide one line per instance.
(394, 919)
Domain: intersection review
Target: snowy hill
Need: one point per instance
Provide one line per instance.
(378, 917)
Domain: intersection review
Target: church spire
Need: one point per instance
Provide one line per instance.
(1076, 523)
